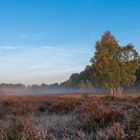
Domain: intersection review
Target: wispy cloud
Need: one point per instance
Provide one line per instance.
(8, 47)
(46, 63)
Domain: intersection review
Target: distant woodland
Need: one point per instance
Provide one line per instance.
(76, 81)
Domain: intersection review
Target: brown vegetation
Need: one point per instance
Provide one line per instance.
(85, 118)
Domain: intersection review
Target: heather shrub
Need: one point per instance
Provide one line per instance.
(109, 98)
(84, 95)
(100, 119)
(133, 123)
(54, 118)
(114, 132)
(22, 130)
(45, 107)
(60, 106)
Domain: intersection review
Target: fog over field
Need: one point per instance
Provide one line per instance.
(49, 91)
(60, 91)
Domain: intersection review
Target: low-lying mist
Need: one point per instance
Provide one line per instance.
(55, 89)
(58, 91)
(52, 91)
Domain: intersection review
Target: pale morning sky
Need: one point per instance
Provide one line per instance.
(45, 41)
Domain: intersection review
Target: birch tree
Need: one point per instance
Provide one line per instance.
(114, 66)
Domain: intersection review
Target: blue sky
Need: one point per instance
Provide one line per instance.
(45, 41)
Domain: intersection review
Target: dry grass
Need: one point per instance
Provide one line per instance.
(72, 117)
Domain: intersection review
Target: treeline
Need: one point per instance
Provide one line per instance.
(85, 79)
(21, 88)
(77, 82)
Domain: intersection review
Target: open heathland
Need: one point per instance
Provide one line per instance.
(61, 118)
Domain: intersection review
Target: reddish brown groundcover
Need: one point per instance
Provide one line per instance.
(84, 118)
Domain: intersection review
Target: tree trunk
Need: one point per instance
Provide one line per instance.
(115, 91)
(111, 91)
(119, 90)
